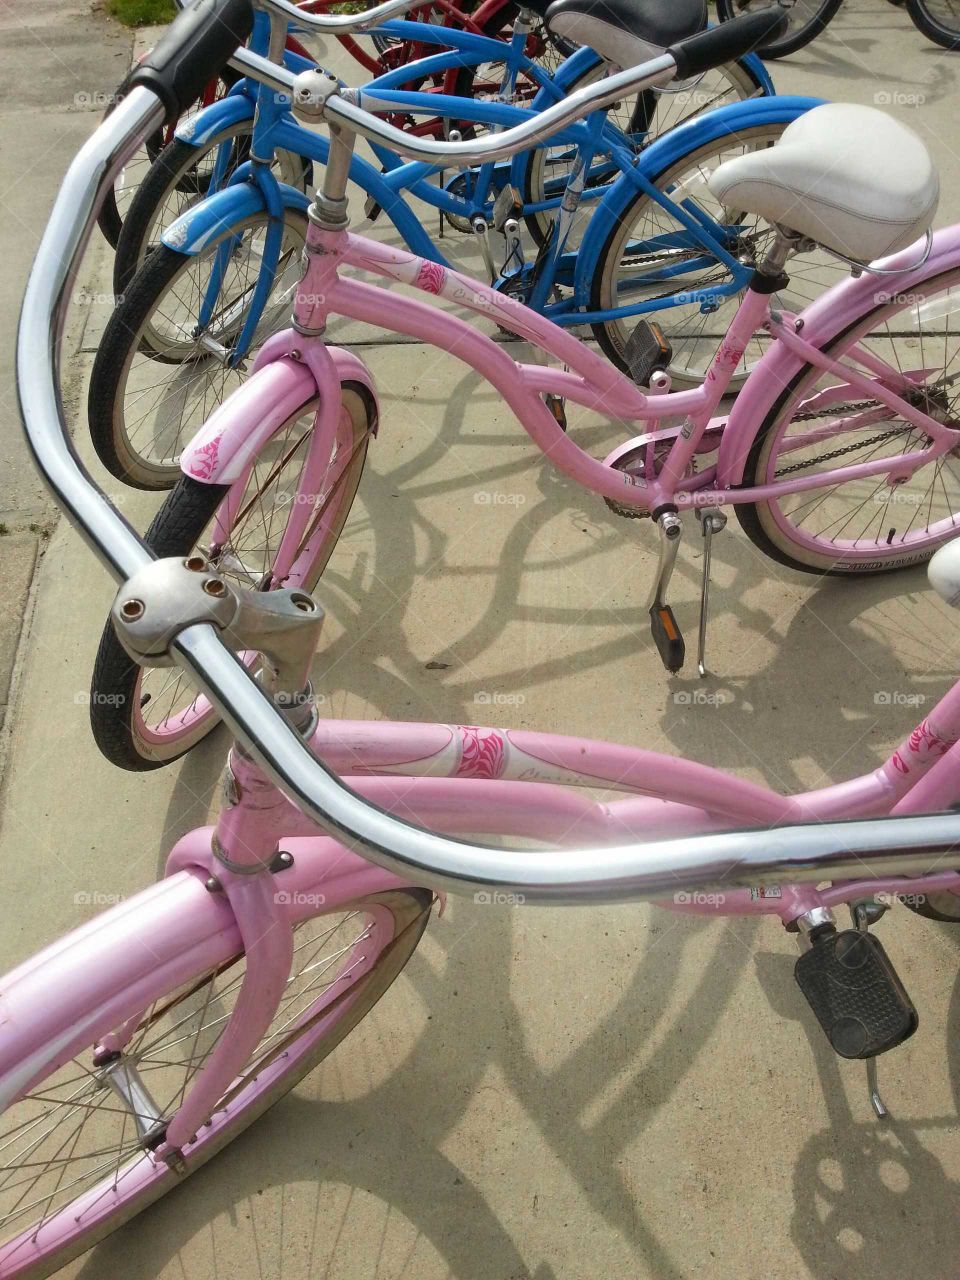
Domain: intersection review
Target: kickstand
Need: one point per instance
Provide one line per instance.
(864, 914)
(875, 1100)
(711, 522)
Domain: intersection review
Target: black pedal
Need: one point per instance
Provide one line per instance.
(647, 350)
(667, 637)
(855, 992)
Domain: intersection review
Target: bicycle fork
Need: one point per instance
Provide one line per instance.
(283, 626)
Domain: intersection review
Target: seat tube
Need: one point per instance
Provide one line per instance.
(522, 27)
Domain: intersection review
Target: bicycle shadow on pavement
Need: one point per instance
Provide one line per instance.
(315, 1173)
(825, 691)
(865, 1190)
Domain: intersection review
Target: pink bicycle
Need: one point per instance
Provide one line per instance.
(138, 1046)
(838, 456)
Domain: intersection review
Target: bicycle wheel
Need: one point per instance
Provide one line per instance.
(74, 1164)
(806, 19)
(157, 376)
(143, 718)
(118, 198)
(865, 525)
(642, 263)
(652, 114)
(939, 20)
(179, 178)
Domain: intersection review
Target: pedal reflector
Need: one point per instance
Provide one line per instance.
(667, 637)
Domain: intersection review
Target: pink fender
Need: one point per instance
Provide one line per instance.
(235, 433)
(823, 320)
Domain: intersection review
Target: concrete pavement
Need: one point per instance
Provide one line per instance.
(56, 57)
(572, 1094)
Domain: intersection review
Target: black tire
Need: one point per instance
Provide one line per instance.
(940, 905)
(118, 346)
(175, 170)
(923, 14)
(814, 16)
(110, 219)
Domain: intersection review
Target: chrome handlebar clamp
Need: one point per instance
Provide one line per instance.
(167, 596)
(162, 599)
(311, 92)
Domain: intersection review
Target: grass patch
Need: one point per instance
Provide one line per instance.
(141, 13)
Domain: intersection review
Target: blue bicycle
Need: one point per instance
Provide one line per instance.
(622, 227)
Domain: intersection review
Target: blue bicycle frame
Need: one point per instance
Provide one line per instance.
(253, 188)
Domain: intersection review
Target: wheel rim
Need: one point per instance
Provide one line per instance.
(72, 1163)
(170, 383)
(169, 716)
(639, 252)
(867, 523)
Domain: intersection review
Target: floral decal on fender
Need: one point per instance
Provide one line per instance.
(176, 236)
(204, 465)
(482, 753)
(430, 277)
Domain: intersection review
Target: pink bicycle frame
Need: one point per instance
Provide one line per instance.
(590, 381)
(462, 778)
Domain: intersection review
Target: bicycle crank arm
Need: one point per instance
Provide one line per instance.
(663, 624)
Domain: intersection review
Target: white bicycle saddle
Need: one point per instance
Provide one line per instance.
(850, 178)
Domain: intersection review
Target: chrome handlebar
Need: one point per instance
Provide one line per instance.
(629, 872)
(336, 24)
(315, 95)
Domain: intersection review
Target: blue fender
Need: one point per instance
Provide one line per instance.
(758, 69)
(196, 227)
(206, 124)
(666, 151)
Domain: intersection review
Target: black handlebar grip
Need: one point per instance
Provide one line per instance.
(194, 49)
(728, 41)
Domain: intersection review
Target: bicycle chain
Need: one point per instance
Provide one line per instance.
(833, 412)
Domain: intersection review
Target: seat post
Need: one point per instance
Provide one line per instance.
(784, 243)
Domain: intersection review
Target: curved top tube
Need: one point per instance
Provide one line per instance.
(794, 854)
